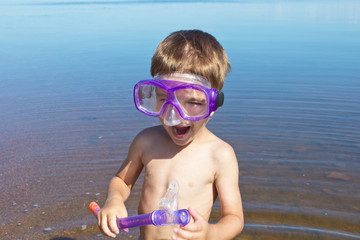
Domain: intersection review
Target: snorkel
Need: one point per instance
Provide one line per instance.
(170, 215)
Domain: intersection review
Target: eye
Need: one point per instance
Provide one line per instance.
(195, 103)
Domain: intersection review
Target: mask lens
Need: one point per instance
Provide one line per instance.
(193, 102)
(151, 98)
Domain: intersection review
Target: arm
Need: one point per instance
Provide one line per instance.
(119, 189)
(232, 220)
(227, 185)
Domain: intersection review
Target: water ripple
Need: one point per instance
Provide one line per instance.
(302, 228)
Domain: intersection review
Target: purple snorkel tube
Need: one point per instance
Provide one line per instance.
(170, 215)
(158, 218)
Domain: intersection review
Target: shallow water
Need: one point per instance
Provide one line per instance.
(291, 112)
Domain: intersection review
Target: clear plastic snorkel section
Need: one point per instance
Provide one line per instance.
(177, 97)
(169, 215)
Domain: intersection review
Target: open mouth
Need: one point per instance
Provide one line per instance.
(180, 131)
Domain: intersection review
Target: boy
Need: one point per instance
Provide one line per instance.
(190, 69)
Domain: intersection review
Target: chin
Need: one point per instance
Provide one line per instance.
(181, 143)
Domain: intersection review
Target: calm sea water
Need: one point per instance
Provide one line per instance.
(292, 110)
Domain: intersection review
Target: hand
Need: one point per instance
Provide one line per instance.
(107, 218)
(196, 230)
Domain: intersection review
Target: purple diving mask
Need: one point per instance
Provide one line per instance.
(177, 97)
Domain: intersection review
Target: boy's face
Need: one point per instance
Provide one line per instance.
(183, 102)
(193, 103)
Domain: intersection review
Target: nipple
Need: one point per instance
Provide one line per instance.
(171, 116)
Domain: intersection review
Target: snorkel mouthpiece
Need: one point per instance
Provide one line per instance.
(171, 116)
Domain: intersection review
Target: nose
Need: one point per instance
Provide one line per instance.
(171, 116)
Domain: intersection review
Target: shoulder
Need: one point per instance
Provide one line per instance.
(144, 141)
(220, 148)
(151, 133)
(148, 136)
(223, 154)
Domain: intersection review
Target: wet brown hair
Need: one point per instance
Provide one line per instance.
(192, 51)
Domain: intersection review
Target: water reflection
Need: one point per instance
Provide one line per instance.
(299, 232)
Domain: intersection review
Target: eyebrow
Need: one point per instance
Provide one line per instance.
(160, 91)
(160, 95)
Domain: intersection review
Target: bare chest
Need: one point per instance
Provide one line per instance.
(194, 174)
